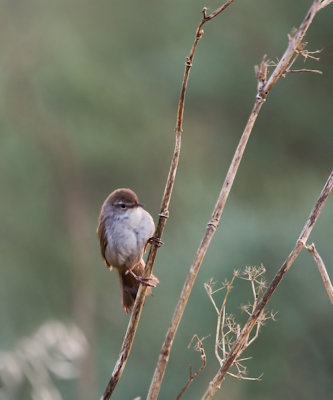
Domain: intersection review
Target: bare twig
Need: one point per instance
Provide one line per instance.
(300, 51)
(245, 377)
(198, 347)
(324, 3)
(305, 70)
(164, 355)
(323, 272)
(238, 345)
(294, 44)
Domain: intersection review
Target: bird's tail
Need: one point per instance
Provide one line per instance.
(130, 286)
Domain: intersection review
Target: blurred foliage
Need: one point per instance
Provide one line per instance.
(54, 351)
(89, 91)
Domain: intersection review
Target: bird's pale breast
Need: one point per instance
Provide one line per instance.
(127, 237)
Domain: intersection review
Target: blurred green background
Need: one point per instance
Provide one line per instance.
(89, 92)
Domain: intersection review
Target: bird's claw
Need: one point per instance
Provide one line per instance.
(153, 240)
(142, 279)
(156, 241)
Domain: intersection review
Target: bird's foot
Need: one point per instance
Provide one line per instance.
(143, 280)
(153, 240)
(156, 241)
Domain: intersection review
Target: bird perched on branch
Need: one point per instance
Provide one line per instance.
(124, 231)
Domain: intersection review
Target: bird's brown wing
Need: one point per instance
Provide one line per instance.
(103, 241)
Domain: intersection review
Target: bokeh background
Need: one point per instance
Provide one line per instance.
(88, 99)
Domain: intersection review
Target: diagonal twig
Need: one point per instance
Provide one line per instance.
(323, 272)
(241, 340)
(199, 347)
(324, 3)
(294, 44)
(305, 70)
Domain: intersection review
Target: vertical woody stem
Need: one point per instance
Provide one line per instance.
(210, 230)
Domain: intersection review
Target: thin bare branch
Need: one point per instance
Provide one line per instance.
(210, 292)
(198, 347)
(300, 51)
(245, 378)
(323, 272)
(294, 44)
(241, 340)
(211, 228)
(219, 10)
(164, 356)
(324, 3)
(255, 337)
(221, 323)
(305, 70)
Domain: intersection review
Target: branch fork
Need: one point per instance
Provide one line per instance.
(322, 269)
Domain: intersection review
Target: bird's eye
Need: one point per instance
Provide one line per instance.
(122, 205)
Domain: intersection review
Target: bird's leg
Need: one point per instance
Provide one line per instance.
(153, 240)
(141, 279)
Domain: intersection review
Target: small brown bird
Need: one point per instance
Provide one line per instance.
(124, 231)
